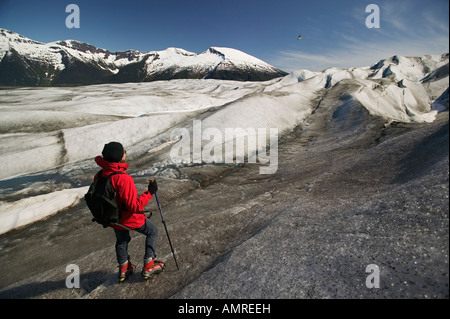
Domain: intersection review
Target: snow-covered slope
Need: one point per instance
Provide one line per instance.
(57, 131)
(214, 63)
(27, 62)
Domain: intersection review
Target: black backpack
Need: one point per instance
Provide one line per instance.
(101, 200)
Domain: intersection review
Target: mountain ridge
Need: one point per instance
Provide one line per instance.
(26, 62)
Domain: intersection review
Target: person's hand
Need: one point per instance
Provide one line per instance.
(152, 186)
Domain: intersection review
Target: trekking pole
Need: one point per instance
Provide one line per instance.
(164, 223)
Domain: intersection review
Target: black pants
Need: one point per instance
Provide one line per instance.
(123, 238)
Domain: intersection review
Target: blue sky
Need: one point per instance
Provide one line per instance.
(334, 32)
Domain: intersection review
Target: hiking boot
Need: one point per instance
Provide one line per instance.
(152, 268)
(125, 270)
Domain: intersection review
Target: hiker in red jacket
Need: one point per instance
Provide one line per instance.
(132, 215)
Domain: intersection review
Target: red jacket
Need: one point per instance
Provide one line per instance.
(129, 202)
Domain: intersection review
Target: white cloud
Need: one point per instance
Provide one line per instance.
(365, 52)
(292, 60)
(358, 53)
(404, 31)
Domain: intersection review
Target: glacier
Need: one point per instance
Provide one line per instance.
(336, 127)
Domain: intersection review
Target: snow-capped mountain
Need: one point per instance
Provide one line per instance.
(27, 62)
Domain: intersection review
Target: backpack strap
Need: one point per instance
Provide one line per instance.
(115, 173)
(123, 208)
(100, 172)
(120, 225)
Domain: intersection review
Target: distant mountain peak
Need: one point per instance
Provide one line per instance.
(70, 62)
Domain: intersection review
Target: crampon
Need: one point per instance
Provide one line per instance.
(152, 268)
(125, 271)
